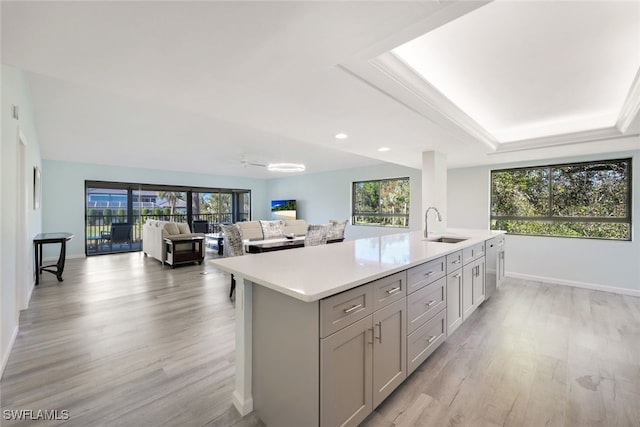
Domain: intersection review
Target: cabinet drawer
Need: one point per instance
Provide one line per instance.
(389, 289)
(341, 310)
(425, 303)
(472, 252)
(454, 261)
(423, 274)
(425, 340)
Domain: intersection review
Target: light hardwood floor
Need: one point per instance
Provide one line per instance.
(123, 341)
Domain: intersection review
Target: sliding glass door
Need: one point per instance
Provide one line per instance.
(124, 207)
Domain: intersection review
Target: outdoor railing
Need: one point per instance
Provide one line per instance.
(98, 227)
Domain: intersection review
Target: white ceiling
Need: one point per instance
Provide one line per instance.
(558, 71)
(197, 86)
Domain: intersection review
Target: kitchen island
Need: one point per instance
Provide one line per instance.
(310, 322)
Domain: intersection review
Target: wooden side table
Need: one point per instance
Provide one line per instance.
(184, 250)
(43, 239)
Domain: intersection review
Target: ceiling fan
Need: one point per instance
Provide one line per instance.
(275, 167)
(244, 163)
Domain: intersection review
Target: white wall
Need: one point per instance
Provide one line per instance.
(596, 264)
(64, 199)
(15, 288)
(325, 196)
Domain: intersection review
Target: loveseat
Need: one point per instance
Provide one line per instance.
(154, 232)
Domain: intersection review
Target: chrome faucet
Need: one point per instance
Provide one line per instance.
(426, 213)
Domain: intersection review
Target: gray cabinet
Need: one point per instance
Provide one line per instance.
(423, 274)
(454, 300)
(363, 362)
(426, 310)
(472, 253)
(346, 363)
(424, 341)
(472, 286)
(454, 291)
(389, 348)
(467, 290)
(478, 281)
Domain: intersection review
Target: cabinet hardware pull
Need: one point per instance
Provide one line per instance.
(432, 339)
(393, 291)
(355, 307)
(430, 303)
(429, 273)
(457, 261)
(457, 276)
(379, 332)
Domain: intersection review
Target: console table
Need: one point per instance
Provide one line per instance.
(184, 250)
(43, 239)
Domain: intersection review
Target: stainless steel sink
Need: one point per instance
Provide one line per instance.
(445, 239)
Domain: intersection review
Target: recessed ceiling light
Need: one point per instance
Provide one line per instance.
(382, 149)
(341, 135)
(285, 167)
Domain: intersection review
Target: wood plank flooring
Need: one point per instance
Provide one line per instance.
(125, 342)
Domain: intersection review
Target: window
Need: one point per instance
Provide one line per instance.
(383, 202)
(589, 200)
(117, 202)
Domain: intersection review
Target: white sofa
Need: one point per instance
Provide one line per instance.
(255, 230)
(265, 230)
(154, 232)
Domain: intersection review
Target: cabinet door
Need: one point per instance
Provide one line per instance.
(454, 301)
(389, 344)
(467, 290)
(478, 282)
(345, 375)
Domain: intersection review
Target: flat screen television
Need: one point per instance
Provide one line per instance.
(283, 209)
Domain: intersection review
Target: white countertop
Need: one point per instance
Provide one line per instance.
(315, 272)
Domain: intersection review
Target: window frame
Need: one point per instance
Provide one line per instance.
(549, 217)
(379, 214)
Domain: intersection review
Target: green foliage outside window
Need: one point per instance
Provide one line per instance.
(589, 200)
(381, 202)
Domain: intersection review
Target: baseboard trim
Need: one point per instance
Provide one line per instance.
(576, 284)
(5, 357)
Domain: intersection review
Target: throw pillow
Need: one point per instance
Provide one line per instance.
(171, 228)
(272, 229)
(336, 229)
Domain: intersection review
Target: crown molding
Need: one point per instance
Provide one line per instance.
(564, 139)
(631, 106)
(402, 74)
(398, 71)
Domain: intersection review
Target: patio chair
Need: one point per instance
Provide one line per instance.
(200, 226)
(120, 234)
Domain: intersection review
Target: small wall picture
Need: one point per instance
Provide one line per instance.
(37, 188)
